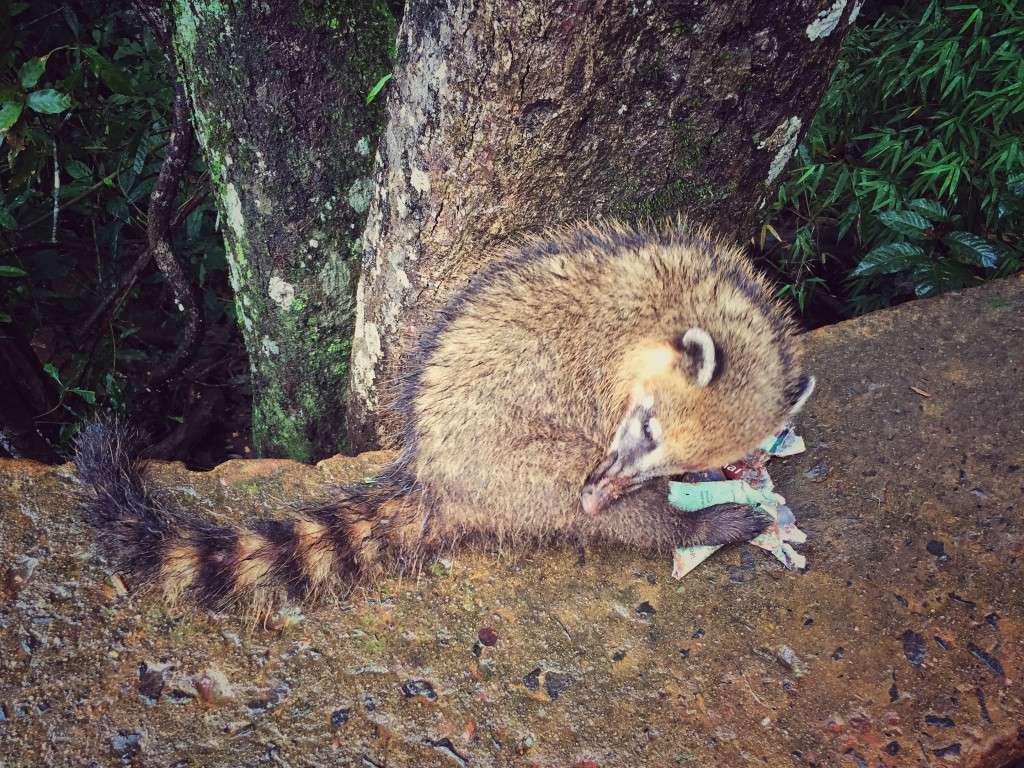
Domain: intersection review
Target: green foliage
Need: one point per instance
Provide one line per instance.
(935, 256)
(910, 180)
(85, 102)
(377, 88)
(88, 395)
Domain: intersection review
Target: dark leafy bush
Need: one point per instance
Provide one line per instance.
(911, 178)
(85, 101)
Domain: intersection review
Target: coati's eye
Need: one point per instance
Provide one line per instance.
(646, 424)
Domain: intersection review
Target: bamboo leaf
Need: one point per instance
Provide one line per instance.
(888, 259)
(930, 209)
(377, 88)
(973, 248)
(909, 223)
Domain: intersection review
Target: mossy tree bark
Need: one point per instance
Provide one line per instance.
(278, 96)
(508, 117)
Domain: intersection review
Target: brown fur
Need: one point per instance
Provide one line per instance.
(520, 391)
(512, 400)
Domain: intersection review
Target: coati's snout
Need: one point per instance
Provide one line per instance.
(654, 372)
(635, 456)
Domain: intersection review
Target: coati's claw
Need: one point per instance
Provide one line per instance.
(730, 523)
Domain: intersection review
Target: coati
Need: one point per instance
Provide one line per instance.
(550, 399)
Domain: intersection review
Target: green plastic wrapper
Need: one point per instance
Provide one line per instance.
(750, 484)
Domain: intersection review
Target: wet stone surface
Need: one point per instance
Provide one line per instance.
(891, 650)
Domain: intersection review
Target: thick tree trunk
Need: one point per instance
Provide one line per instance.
(278, 95)
(507, 117)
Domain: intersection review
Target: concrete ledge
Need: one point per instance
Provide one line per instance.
(902, 645)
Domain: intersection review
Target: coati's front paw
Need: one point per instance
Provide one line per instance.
(729, 523)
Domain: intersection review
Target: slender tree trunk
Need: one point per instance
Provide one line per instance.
(27, 395)
(508, 117)
(278, 95)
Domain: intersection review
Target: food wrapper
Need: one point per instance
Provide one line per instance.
(745, 482)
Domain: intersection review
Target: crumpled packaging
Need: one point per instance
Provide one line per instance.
(746, 482)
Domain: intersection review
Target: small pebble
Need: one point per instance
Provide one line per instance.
(286, 617)
(953, 750)
(488, 637)
(645, 611)
(532, 679)
(118, 584)
(126, 745)
(982, 705)
(788, 658)
(238, 727)
(526, 744)
(556, 683)
(987, 659)
(151, 682)
(339, 717)
(818, 472)
(418, 689)
(962, 600)
(446, 748)
(914, 648)
(19, 574)
(260, 706)
(213, 687)
(231, 637)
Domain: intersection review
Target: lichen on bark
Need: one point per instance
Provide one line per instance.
(278, 94)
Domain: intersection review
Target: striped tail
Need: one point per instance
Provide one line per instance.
(264, 563)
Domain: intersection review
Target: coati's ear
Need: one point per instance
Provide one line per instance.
(699, 360)
(797, 396)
